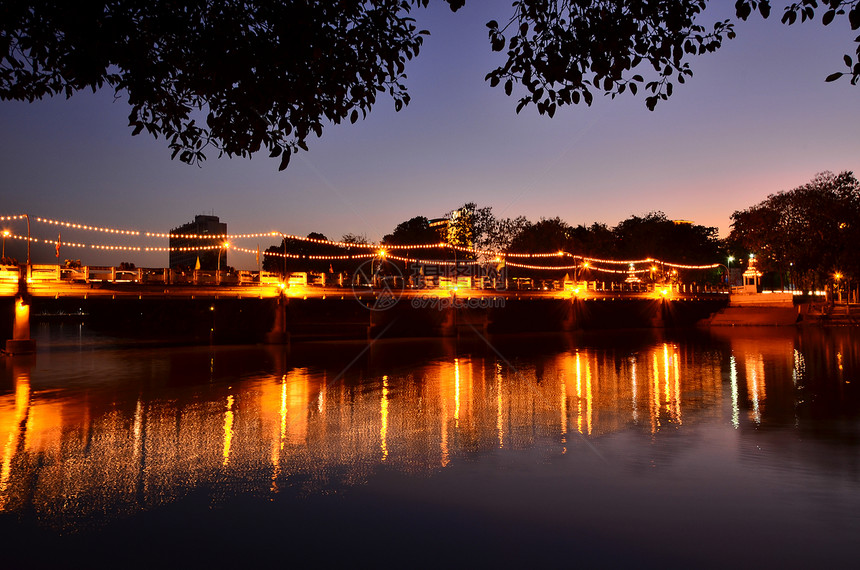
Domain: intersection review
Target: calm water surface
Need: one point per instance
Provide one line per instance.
(738, 447)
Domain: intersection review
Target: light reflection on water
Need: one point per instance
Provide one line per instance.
(655, 427)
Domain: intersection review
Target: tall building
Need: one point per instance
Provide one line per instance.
(194, 235)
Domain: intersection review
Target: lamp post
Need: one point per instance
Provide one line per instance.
(582, 267)
(5, 235)
(284, 238)
(729, 270)
(728, 281)
(836, 278)
(224, 245)
(28, 247)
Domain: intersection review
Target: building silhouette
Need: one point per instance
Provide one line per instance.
(199, 240)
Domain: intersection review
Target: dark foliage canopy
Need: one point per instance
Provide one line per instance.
(236, 76)
(565, 52)
(650, 236)
(250, 76)
(808, 233)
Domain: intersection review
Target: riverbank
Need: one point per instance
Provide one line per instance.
(783, 309)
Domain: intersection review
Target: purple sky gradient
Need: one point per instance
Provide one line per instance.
(756, 118)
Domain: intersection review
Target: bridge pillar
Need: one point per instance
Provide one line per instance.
(658, 317)
(448, 326)
(280, 333)
(568, 321)
(21, 343)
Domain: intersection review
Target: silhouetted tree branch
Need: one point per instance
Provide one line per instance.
(244, 77)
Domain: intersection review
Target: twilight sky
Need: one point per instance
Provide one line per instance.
(756, 118)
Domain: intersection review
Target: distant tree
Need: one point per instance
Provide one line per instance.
(808, 233)
(503, 231)
(358, 239)
(300, 254)
(415, 231)
(243, 77)
(596, 240)
(544, 236)
(656, 236)
(464, 226)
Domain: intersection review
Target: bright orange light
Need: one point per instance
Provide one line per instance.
(585, 265)
(226, 244)
(837, 276)
(662, 293)
(382, 253)
(5, 233)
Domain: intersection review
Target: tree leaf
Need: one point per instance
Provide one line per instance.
(834, 76)
(854, 17)
(285, 159)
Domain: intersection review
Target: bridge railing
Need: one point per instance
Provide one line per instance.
(142, 275)
(9, 273)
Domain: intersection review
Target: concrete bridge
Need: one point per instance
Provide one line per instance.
(221, 306)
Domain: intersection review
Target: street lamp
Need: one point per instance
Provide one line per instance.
(224, 245)
(582, 267)
(836, 277)
(728, 280)
(284, 238)
(29, 270)
(729, 269)
(5, 235)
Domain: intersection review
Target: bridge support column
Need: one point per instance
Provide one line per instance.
(448, 326)
(375, 322)
(21, 343)
(568, 322)
(658, 318)
(280, 333)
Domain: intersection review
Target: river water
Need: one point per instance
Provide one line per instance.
(735, 447)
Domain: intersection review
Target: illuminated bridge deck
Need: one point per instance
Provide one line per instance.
(48, 281)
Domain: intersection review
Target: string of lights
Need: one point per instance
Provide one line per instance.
(541, 267)
(190, 248)
(341, 257)
(621, 271)
(341, 244)
(680, 266)
(75, 226)
(45, 241)
(115, 247)
(210, 236)
(619, 261)
(433, 261)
